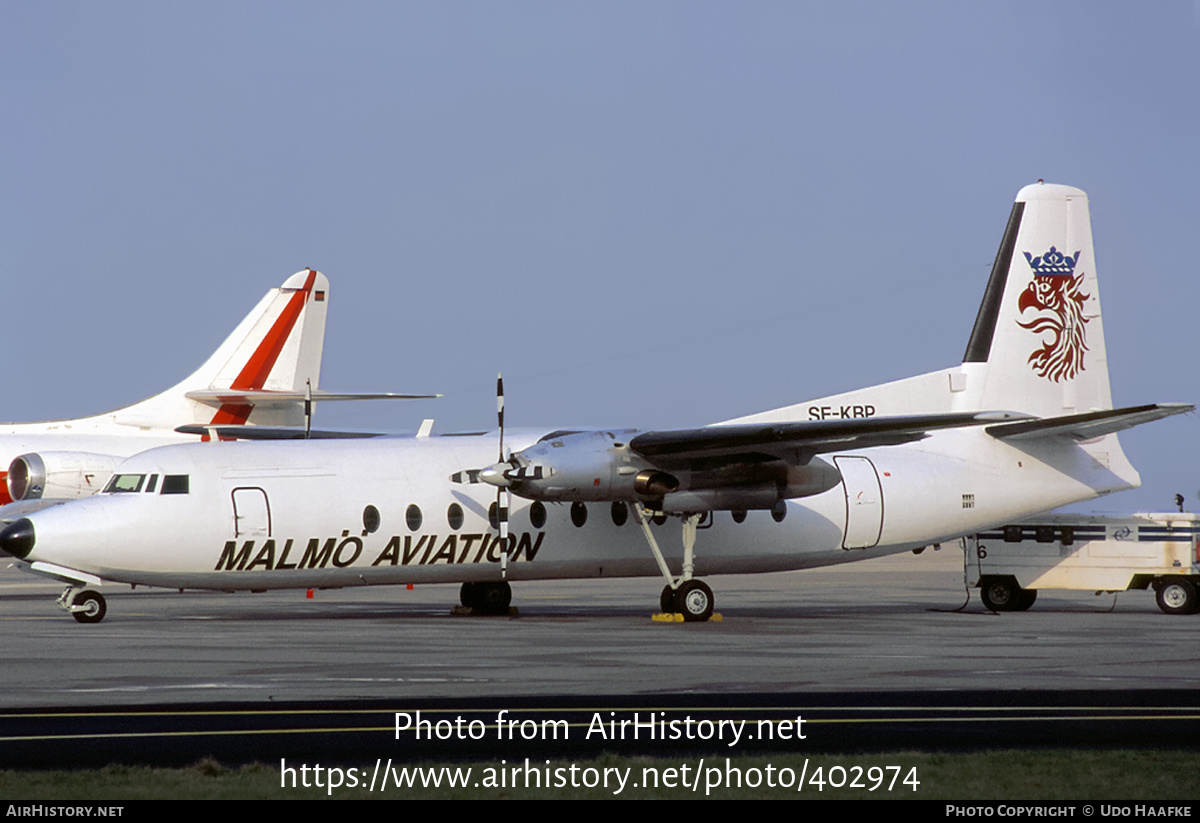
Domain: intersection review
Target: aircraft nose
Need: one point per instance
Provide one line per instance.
(17, 539)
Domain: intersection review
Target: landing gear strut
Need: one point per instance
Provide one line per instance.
(691, 598)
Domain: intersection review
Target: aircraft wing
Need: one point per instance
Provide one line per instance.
(796, 441)
(744, 466)
(1088, 425)
(233, 432)
(736, 466)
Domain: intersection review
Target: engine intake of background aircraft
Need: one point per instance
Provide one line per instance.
(64, 475)
(26, 473)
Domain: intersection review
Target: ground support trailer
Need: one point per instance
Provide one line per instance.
(1159, 551)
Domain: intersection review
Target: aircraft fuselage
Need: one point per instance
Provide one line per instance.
(341, 513)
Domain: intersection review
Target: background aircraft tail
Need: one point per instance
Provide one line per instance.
(277, 347)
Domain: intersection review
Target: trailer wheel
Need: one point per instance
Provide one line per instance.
(1002, 594)
(1177, 596)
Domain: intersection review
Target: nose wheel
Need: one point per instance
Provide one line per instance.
(85, 606)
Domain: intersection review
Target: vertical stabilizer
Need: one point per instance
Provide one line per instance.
(277, 347)
(1037, 346)
(1038, 341)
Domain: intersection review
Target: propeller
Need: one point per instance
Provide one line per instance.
(503, 494)
(509, 470)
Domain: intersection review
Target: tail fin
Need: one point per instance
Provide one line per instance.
(1038, 341)
(276, 347)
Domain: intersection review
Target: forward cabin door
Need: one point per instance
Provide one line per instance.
(251, 513)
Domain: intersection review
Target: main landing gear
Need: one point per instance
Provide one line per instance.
(85, 605)
(685, 596)
(486, 596)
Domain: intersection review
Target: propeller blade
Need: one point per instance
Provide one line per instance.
(503, 501)
(496, 476)
(500, 412)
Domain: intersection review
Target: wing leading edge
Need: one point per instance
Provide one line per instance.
(785, 440)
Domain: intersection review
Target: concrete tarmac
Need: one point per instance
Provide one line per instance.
(904, 623)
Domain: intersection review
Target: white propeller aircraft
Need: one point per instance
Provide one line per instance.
(1025, 424)
(265, 373)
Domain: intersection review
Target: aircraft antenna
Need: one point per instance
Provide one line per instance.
(307, 409)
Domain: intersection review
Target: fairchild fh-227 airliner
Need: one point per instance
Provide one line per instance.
(1023, 425)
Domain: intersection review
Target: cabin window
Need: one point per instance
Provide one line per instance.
(537, 514)
(620, 513)
(125, 483)
(174, 484)
(371, 519)
(412, 516)
(454, 516)
(578, 513)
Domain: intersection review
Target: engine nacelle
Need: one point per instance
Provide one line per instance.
(586, 466)
(59, 475)
(599, 466)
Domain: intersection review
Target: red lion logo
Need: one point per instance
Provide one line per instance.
(1055, 293)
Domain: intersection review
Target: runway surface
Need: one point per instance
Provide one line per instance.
(883, 625)
(882, 655)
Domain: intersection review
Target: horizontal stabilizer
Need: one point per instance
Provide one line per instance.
(784, 440)
(1089, 425)
(271, 433)
(264, 398)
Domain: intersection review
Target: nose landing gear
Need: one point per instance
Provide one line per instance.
(85, 606)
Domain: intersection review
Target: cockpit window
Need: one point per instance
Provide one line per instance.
(175, 484)
(125, 483)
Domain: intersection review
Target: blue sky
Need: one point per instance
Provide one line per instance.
(653, 214)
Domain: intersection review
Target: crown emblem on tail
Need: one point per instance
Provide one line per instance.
(1055, 296)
